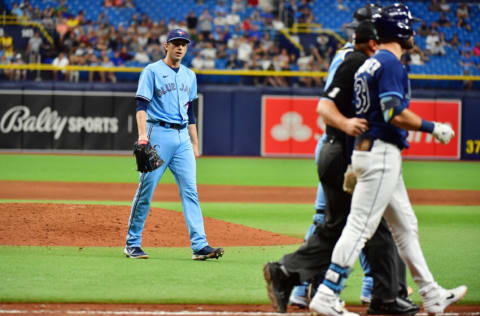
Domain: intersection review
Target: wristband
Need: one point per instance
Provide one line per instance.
(427, 126)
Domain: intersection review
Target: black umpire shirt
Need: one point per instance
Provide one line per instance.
(340, 92)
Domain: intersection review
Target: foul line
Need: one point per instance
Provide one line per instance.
(180, 313)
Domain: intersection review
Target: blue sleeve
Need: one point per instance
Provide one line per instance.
(193, 90)
(145, 85)
(191, 115)
(141, 104)
(391, 80)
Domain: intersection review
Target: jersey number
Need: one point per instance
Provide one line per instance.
(362, 102)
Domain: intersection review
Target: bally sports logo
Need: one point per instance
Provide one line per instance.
(20, 119)
(291, 127)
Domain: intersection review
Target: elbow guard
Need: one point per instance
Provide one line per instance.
(391, 105)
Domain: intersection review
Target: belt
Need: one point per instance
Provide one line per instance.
(333, 138)
(363, 143)
(168, 125)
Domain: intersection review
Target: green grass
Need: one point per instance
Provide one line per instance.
(232, 171)
(449, 237)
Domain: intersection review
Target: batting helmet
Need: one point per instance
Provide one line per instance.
(394, 22)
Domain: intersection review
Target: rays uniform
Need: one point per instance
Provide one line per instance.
(381, 76)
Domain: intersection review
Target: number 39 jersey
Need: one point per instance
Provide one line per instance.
(381, 75)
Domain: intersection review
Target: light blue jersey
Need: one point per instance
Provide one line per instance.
(168, 91)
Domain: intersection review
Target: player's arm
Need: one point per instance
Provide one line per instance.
(143, 97)
(398, 115)
(142, 125)
(340, 92)
(352, 126)
(192, 128)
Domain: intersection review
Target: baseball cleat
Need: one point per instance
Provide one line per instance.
(298, 301)
(135, 253)
(436, 299)
(208, 252)
(279, 286)
(327, 303)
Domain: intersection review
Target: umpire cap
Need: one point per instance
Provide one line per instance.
(364, 13)
(364, 32)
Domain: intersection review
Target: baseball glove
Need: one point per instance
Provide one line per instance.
(146, 156)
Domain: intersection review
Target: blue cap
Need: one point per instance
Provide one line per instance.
(178, 34)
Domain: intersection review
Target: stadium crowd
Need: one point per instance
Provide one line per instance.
(221, 39)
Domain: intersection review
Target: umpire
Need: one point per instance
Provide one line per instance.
(312, 259)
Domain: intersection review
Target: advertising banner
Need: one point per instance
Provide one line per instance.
(77, 120)
(291, 127)
(423, 145)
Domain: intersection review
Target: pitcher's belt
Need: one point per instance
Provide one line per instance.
(167, 124)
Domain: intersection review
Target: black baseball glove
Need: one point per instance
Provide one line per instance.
(146, 156)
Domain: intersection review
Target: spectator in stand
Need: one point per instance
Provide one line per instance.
(417, 57)
(197, 61)
(444, 6)
(233, 62)
(209, 50)
(129, 4)
(245, 50)
(220, 7)
(220, 18)
(434, 6)
(91, 60)
(476, 50)
(466, 49)
(33, 48)
(60, 61)
(110, 75)
(443, 21)
(75, 60)
(341, 6)
(61, 9)
(255, 33)
(252, 3)
(18, 74)
(463, 11)
(205, 25)
(238, 6)
(208, 63)
(305, 10)
(454, 42)
(191, 20)
(423, 30)
(274, 81)
(17, 11)
(141, 56)
(462, 23)
(431, 43)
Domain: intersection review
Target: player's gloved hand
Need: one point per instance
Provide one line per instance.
(349, 180)
(442, 132)
(146, 156)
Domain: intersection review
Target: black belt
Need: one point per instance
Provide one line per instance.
(168, 125)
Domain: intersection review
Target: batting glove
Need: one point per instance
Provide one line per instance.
(443, 132)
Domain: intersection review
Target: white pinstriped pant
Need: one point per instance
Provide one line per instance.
(381, 191)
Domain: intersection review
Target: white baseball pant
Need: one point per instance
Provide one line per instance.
(381, 191)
